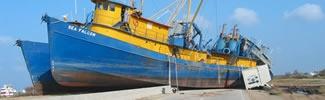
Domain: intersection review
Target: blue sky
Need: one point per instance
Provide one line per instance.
(293, 29)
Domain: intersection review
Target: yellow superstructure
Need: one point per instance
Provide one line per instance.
(107, 13)
(148, 29)
(150, 35)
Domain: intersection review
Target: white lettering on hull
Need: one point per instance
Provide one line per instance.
(77, 29)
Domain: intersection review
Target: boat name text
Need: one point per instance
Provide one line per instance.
(77, 29)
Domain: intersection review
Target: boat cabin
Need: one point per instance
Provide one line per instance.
(113, 14)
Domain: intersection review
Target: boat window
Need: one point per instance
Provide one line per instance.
(112, 7)
(99, 6)
(105, 5)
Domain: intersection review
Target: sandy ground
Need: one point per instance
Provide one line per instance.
(113, 95)
(263, 95)
(298, 82)
(155, 94)
(214, 94)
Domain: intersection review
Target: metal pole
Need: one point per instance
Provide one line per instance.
(197, 11)
(176, 73)
(219, 81)
(189, 6)
(169, 72)
(132, 3)
(141, 6)
(75, 7)
(85, 15)
(188, 34)
(223, 29)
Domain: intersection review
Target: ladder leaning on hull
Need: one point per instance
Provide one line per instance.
(170, 61)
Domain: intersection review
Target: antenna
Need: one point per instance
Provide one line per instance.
(141, 5)
(85, 14)
(223, 30)
(75, 8)
(132, 3)
(234, 33)
(224, 25)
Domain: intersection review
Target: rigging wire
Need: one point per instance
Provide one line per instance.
(160, 12)
(174, 15)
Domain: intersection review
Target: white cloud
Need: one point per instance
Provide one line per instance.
(6, 40)
(203, 23)
(309, 12)
(206, 26)
(245, 16)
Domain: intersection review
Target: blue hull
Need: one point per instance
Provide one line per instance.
(37, 58)
(81, 58)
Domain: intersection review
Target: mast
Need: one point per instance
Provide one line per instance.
(197, 11)
(234, 34)
(189, 31)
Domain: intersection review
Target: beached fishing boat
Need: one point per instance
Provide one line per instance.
(120, 48)
(37, 58)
